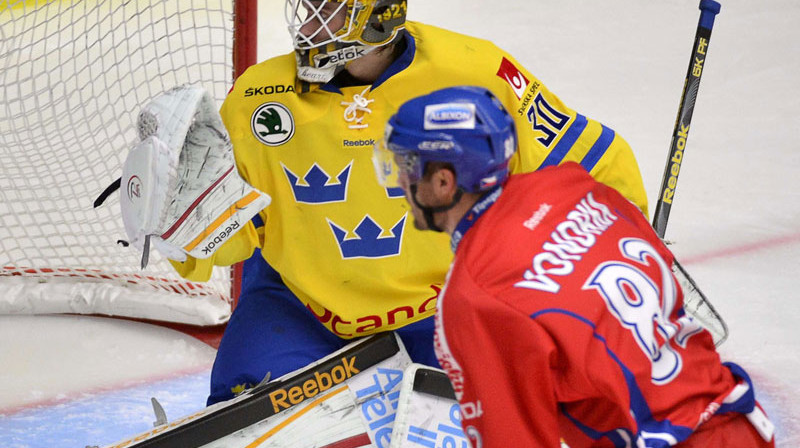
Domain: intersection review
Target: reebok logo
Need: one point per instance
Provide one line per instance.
(675, 166)
(537, 217)
(359, 143)
(283, 399)
(220, 238)
(323, 60)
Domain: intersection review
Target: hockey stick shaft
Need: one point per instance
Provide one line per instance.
(696, 303)
(708, 11)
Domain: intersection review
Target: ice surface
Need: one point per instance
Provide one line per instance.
(734, 223)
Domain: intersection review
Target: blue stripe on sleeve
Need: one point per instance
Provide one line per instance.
(565, 144)
(598, 150)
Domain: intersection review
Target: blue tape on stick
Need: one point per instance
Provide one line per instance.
(709, 9)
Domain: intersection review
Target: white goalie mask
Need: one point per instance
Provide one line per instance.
(329, 34)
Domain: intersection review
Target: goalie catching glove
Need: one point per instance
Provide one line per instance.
(180, 189)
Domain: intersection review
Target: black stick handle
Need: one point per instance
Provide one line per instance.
(708, 11)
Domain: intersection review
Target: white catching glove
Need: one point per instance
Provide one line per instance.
(180, 188)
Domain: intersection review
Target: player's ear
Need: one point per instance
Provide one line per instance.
(444, 182)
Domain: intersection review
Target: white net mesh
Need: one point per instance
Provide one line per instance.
(73, 77)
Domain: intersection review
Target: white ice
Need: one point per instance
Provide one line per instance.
(75, 381)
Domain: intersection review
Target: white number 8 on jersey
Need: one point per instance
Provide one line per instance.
(641, 307)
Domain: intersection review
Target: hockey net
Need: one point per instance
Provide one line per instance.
(74, 76)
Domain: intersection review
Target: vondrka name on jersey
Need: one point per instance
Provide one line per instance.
(567, 243)
(220, 238)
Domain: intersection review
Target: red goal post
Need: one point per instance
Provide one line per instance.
(74, 75)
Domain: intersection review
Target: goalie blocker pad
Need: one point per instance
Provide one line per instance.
(180, 188)
(350, 398)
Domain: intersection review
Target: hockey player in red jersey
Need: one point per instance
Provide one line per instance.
(560, 317)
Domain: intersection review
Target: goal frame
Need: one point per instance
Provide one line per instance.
(35, 283)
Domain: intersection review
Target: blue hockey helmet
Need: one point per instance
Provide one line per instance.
(465, 126)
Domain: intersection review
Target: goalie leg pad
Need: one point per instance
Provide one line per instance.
(428, 413)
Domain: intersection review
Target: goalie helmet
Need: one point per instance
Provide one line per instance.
(465, 126)
(329, 34)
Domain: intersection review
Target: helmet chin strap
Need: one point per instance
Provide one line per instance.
(428, 212)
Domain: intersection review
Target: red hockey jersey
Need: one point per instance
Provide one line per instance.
(561, 318)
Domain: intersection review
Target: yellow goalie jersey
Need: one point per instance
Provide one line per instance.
(342, 243)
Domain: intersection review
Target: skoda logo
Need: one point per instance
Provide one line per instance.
(272, 124)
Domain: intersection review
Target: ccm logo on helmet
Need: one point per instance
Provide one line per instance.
(435, 145)
(450, 116)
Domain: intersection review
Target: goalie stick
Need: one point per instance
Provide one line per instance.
(695, 302)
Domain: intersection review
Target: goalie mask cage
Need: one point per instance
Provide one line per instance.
(74, 76)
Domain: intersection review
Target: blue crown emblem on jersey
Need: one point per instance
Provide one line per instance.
(368, 242)
(317, 189)
(395, 192)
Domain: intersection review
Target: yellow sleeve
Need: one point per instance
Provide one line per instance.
(551, 133)
(619, 169)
